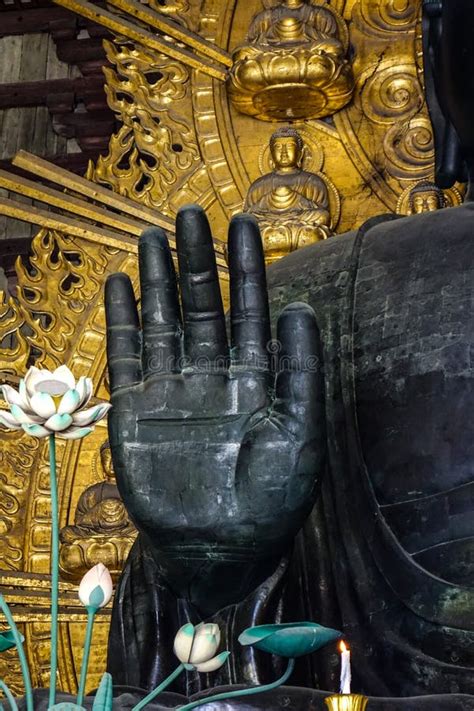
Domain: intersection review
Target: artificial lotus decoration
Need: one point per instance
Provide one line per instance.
(13, 634)
(52, 403)
(96, 587)
(103, 699)
(95, 591)
(195, 647)
(9, 696)
(287, 640)
(293, 639)
(7, 640)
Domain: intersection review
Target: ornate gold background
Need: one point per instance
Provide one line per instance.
(180, 142)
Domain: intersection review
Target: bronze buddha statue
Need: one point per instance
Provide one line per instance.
(336, 486)
(293, 65)
(290, 204)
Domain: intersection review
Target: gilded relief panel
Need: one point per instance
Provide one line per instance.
(365, 169)
(182, 140)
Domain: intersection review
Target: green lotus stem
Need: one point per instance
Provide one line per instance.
(21, 654)
(153, 694)
(54, 568)
(9, 696)
(85, 657)
(242, 692)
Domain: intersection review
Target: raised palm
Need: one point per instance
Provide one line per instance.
(217, 457)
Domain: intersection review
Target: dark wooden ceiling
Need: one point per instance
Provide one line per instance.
(52, 99)
(77, 106)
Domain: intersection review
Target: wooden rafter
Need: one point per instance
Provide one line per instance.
(75, 228)
(43, 169)
(135, 32)
(159, 22)
(45, 91)
(55, 198)
(115, 221)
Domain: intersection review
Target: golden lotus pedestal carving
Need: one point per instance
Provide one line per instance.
(294, 65)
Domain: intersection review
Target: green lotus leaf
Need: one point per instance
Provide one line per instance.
(66, 706)
(7, 640)
(293, 639)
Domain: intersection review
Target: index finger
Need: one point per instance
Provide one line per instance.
(123, 332)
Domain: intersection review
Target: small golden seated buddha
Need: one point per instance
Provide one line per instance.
(293, 65)
(426, 197)
(102, 531)
(290, 204)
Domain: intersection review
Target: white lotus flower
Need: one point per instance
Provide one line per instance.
(52, 403)
(95, 589)
(195, 647)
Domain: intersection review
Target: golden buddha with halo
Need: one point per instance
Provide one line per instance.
(102, 531)
(290, 204)
(294, 64)
(426, 197)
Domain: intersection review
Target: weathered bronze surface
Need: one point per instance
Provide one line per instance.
(375, 557)
(191, 431)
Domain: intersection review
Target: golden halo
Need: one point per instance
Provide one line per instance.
(98, 473)
(313, 155)
(334, 200)
(96, 466)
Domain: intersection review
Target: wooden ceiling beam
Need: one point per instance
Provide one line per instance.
(68, 203)
(48, 171)
(75, 163)
(160, 22)
(84, 230)
(41, 93)
(152, 40)
(75, 228)
(28, 19)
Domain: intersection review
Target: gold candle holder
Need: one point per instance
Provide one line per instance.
(346, 702)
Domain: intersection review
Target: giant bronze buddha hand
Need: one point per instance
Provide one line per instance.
(217, 450)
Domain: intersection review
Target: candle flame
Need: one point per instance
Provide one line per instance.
(343, 647)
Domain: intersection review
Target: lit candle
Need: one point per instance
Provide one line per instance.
(345, 687)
